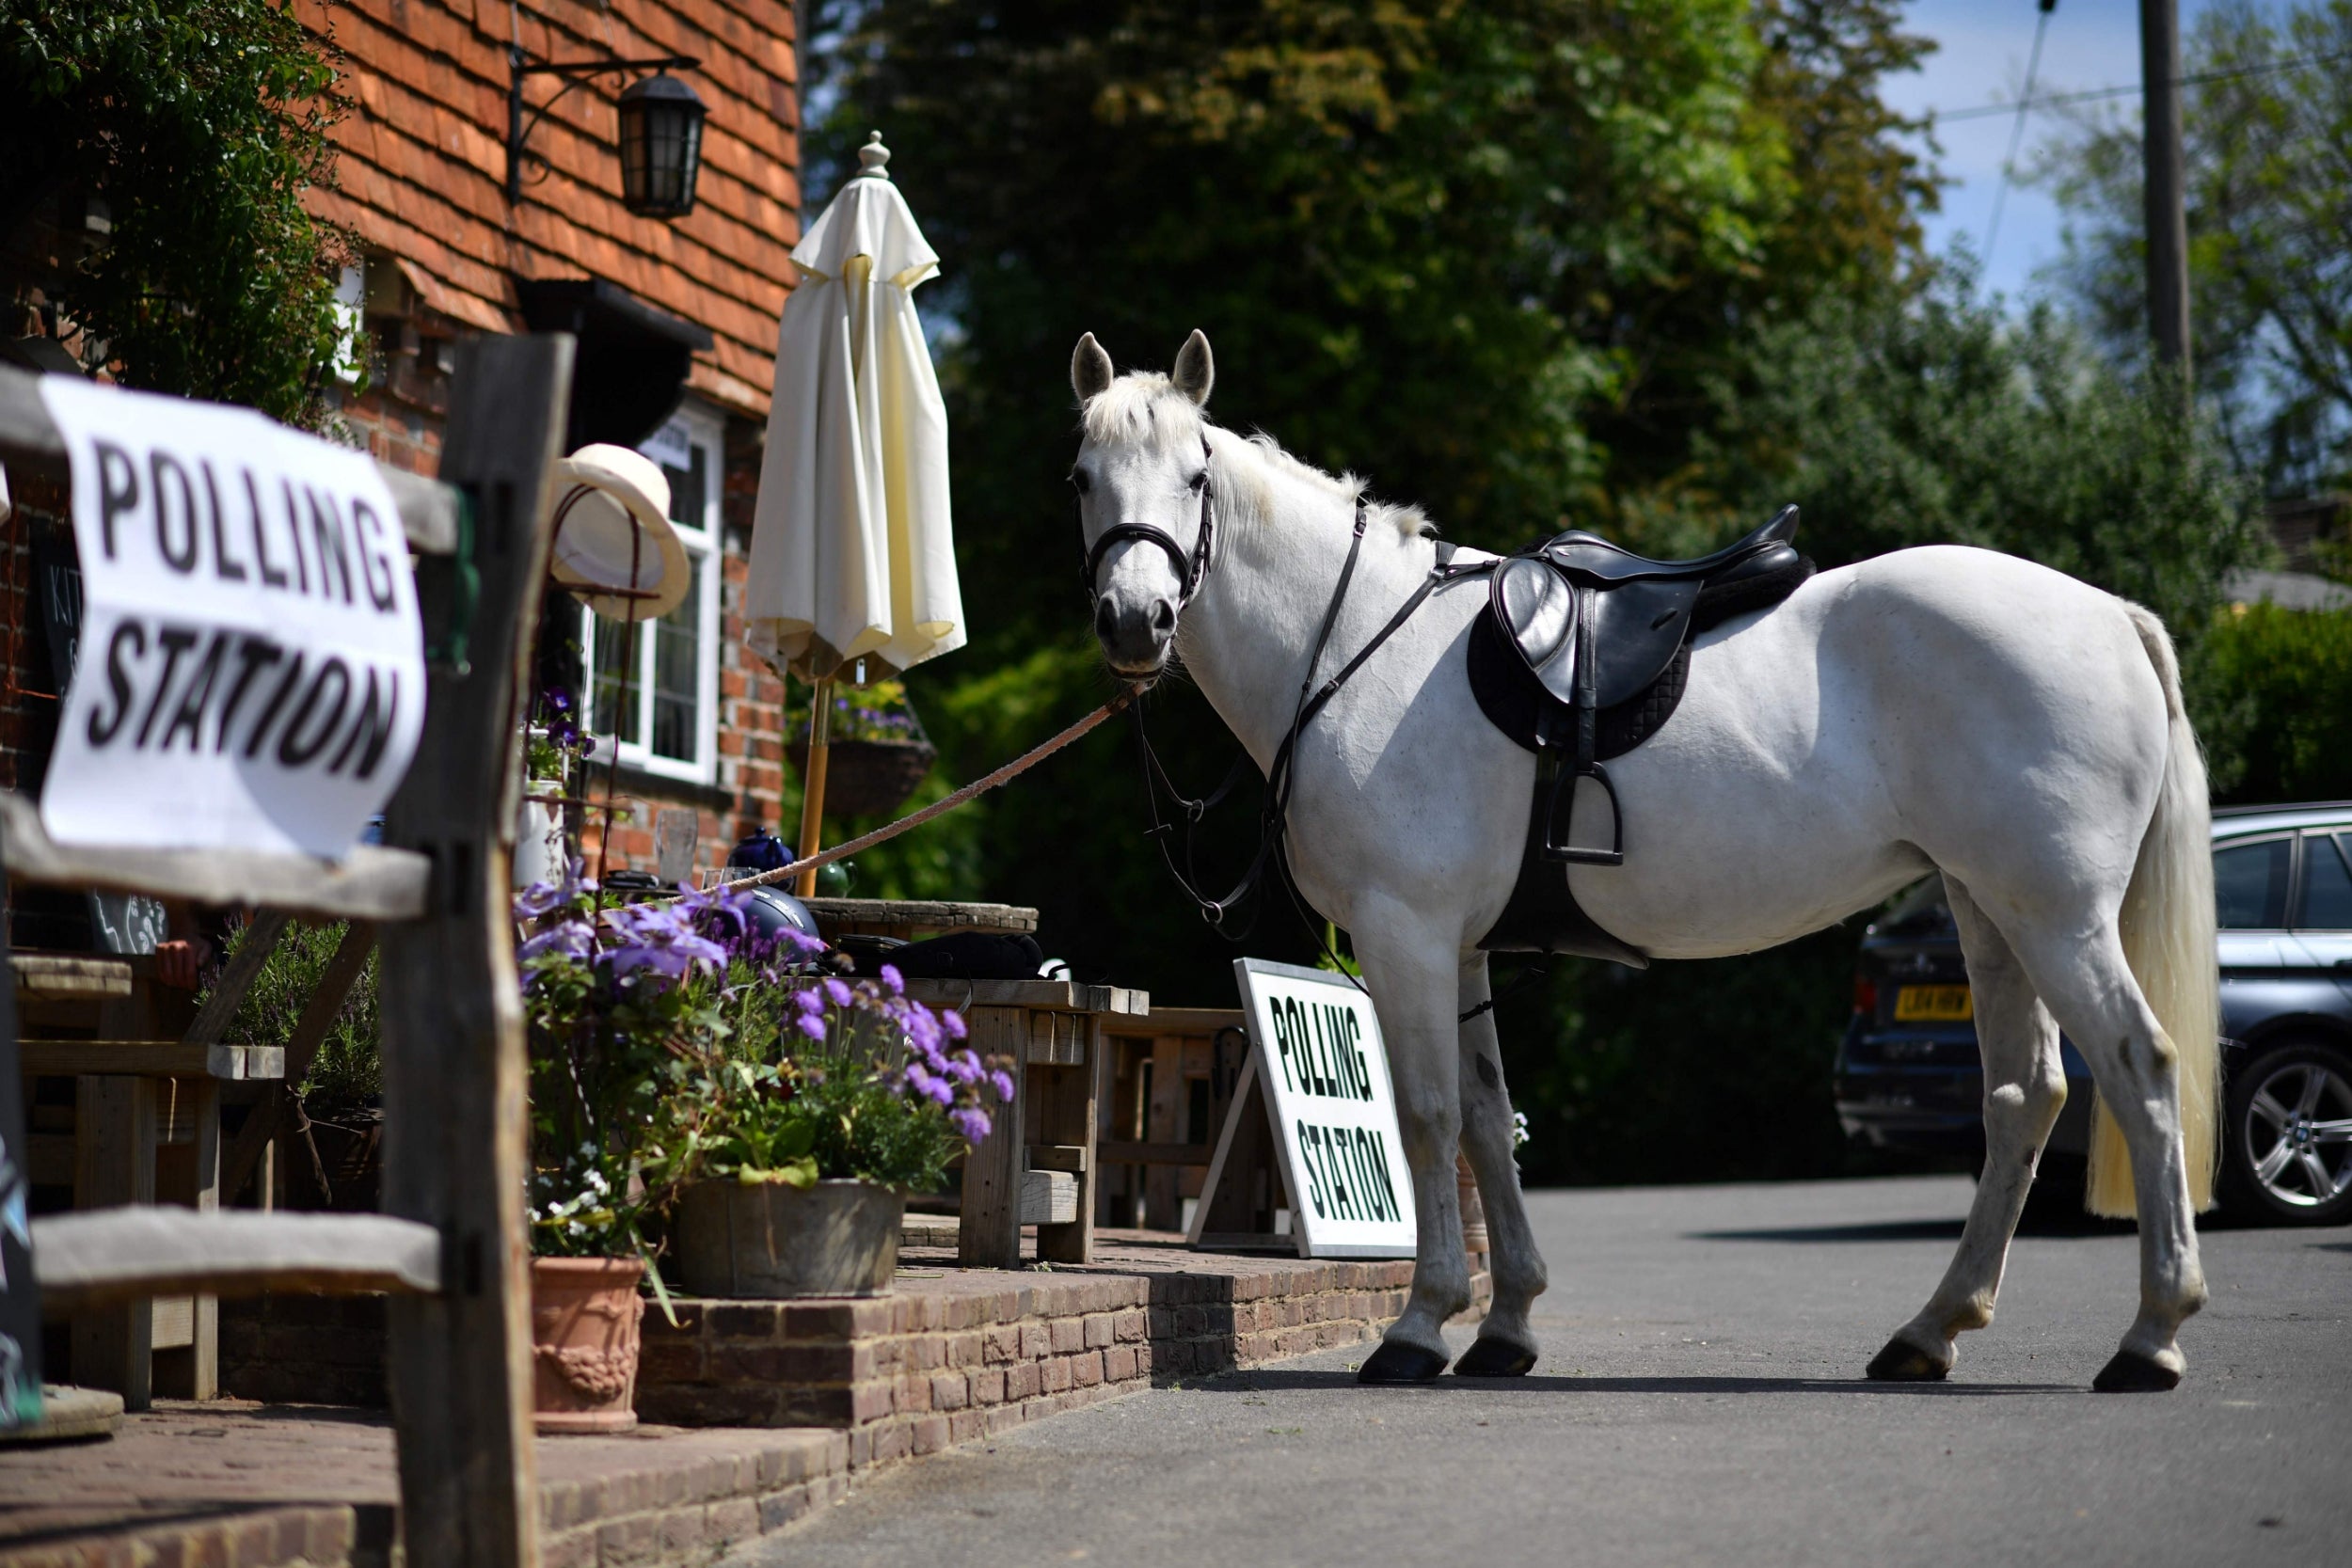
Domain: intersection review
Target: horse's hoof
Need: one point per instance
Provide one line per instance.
(1398, 1362)
(2131, 1372)
(1495, 1359)
(1904, 1362)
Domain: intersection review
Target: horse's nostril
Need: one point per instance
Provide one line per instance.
(1163, 617)
(1105, 618)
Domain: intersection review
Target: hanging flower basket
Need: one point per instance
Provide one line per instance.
(868, 778)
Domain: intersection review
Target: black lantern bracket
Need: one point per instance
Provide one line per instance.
(521, 66)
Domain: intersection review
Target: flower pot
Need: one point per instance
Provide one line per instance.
(866, 778)
(539, 835)
(584, 1314)
(766, 1240)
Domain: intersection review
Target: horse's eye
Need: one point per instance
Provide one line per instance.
(1199, 480)
(1083, 481)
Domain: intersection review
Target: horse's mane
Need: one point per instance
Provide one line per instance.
(1144, 407)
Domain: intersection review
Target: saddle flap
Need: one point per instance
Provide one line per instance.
(1638, 627)
(1536, 609)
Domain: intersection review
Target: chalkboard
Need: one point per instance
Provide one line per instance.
(20, 1295)
(125, 923)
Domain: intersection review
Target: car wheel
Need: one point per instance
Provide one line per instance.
(2287, 1148)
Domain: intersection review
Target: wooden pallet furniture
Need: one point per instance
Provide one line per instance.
(1168, 1078)
(450, 1244)
(1037, 1165)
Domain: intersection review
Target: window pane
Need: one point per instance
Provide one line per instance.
(676, 655)
(2250, 883)
(607, 642)
(676, 674)
(2326, 887)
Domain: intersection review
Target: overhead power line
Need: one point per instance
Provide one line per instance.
(2056, 100)
(2017, 137)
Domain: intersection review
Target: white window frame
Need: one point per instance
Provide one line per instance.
(695, 424)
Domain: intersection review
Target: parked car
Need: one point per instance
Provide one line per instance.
(1908, 1075)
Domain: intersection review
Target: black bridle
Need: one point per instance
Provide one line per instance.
(1192, 569)
(1273, 815)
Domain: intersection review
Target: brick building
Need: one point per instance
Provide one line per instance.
(677, 322)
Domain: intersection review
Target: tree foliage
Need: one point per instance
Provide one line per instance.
(2268, 146)
(197, 124)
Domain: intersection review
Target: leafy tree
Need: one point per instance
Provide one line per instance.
(2268, 144)
(2269, 688)
(199, 124)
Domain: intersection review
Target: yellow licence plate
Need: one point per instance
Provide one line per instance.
(1933, 1005)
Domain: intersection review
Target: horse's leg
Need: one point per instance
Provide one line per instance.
(1413, 974)
(2083, 977)
(2024, 1085)
(1506, 1345)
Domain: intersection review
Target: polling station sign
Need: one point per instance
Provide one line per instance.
(250, 668)
(1324, 1072)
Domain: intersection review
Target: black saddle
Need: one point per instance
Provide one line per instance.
(1581, 656)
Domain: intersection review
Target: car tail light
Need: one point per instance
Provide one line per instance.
(1866, 995)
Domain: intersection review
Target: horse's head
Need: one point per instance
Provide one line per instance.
(1145, 510)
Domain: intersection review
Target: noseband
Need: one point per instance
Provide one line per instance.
(1193, 569)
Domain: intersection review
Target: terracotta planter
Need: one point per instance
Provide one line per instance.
(768, 1240)
(584, 1315)
(866, 778)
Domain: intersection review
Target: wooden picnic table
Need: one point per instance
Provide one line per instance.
(1037, 1165)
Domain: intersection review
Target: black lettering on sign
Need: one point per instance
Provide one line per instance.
(329, 543)
(254, 655)
(128, 642)
(270, 574)
(197, 696)
(230, 568)
(1321, 1055)
(178, 547)
(370, 527)
(277, 699)
(1355, 1050)
(292, 749)
(1316, 1197)
(293, 531)
(1380, 1168)
(1281, 1014)
(171, 641)
(372, 731)
(118, 490)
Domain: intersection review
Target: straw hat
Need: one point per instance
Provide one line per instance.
(613, 511)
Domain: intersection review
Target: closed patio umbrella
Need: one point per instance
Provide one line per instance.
(852, 561)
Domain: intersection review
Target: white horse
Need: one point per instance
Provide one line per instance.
(1935, 709)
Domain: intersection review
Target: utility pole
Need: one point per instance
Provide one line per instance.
(2166, 185)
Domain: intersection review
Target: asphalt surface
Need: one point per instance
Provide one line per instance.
(1700, 1399)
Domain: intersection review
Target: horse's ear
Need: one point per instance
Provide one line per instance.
(1196, 370)
(1091, 369)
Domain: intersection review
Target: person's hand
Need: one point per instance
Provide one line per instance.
(177, 962)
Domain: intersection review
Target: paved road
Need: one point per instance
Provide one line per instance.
(1700, 1401)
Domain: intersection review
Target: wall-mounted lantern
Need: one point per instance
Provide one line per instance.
(661, 129)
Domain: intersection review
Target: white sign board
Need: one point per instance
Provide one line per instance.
(1324, 1072)
(251, 673)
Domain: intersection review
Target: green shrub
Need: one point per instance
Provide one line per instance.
(349, 1067)
(2271, 693)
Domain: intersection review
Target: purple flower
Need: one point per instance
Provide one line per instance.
(809, 1001)
(1001, 1082)
(971, 1125)
(571, 938)
(812, 1025)
(953, 1023)
(660, 937)
(841, 995)
(891, 977)
(540, 898)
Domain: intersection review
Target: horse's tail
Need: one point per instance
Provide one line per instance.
(2168, 932)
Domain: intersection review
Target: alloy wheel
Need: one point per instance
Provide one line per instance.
(2295, 1132)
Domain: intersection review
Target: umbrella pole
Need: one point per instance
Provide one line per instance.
(812, 794)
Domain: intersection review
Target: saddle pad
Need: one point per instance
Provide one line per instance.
(1511, 695)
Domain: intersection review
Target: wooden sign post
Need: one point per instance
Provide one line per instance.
(1312, 1127)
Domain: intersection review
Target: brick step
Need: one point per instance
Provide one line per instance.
(953, 1354)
